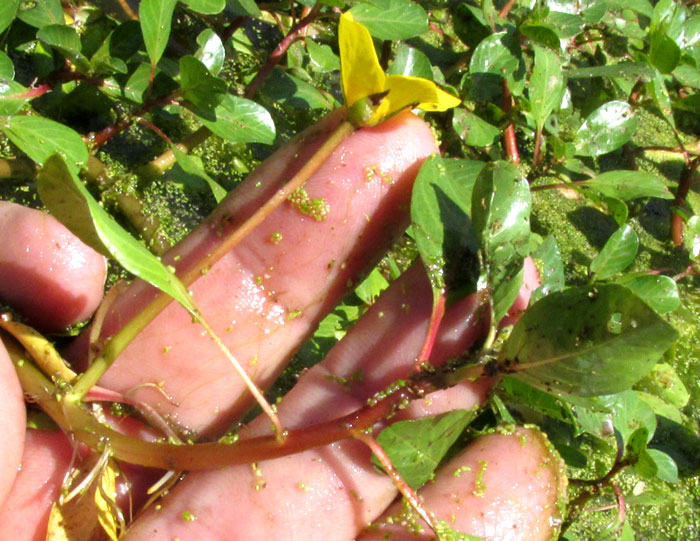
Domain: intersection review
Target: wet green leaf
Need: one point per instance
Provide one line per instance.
(290, 90)
(664, 382)
(473, 130)
(442, 229)
(155, 17)
(666, 468)
(550, 268)
(517, 390)
(631, 70)
(617, 254)
(547, 86)
(242, 120)
(501, 205)
(630, 414)
(416, 447)
(410, 61)
(588, 341)
(691, 238)
(7, 68)
(322, 57)
(658, 291)
(566, 25)
(70, 202)
(211, 51)
(137, 83)
(494, 59)
(606, 129)
(392, 19)
(626, 185)
(39, 138)
(371, 287)
(243, 7)
(542, 33)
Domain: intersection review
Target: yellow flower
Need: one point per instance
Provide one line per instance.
(371, 95)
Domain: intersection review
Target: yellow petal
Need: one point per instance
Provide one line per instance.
(359, 66)
(407, 91)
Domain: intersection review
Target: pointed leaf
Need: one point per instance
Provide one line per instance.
(617, 254)
(550, 268)
(606, 129)
(661, 98)
(42, 12)
(392, 19)
(201, 88)
(206, 7)
(71, 203)
(211, 51)
(192, 165)
(10, 104)
(156, 17)
(65, 39)
(441, 227)
(473, 130)
(8, 9)
(416, 447)
(627, 185)
(658, 291)
(410, 61)
(546, 85)
(588, 341)
(39, 138)
(242, 120)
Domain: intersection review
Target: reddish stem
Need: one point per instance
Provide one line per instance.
(538, 146)
(506, 9)
(509, 139)
(684, 185)
(32, 93)
(281, 50)
(433, 327)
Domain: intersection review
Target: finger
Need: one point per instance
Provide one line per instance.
(46, 273)
(45, 461)
(265, 297)
(506, 485)
(12, 423)
(334, 489)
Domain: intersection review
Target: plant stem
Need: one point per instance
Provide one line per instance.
(118, 342)
(686, 181)
(404, 488)
(435, 319)
(509, 140)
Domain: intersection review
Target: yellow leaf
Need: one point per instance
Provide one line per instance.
(105, 501)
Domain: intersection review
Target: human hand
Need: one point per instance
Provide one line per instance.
(331, 492)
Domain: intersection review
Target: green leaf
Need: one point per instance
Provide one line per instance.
(137, 83)
(410, 61)
(65, 40)
(473, 130)
(587, 341)
(156, 17)
(322, 57)
(10, 104)
(446, 533)
(206, 7)
(416, 447)
(667, 470)
(606, 129)
(392, 19)
(119, 47)
(550, 269)
(664, 54)
(661, 407)
(501, 205)
(691, 238)
(629, 70)
(566, 25)
(290, 90)
(200, 88)
(243, 8)
(243, 121)
(371, 287)
(658, 291)
(441, 228)
(71, 203)
(41, 12)
(630, 414)
(617, 254)
(211, 51)
(516, 390)
(39, 138)
(626, 185)
(192, 165)
(547, 86)
(661, 98)
(494, 59)
(664, 382)
(8, 9)
(542, 33)
(7, 68)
